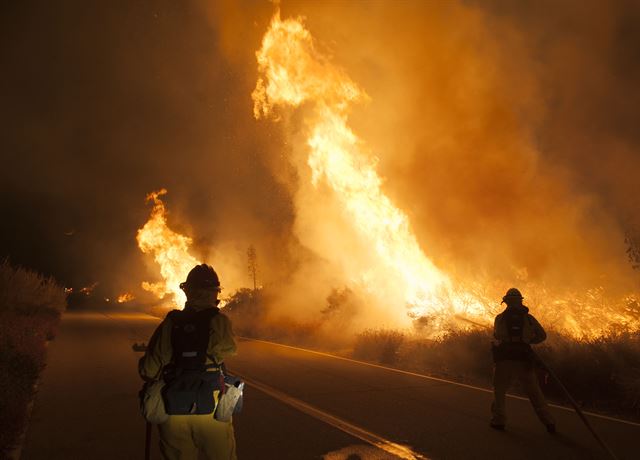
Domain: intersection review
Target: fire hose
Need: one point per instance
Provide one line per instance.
(573, 402)
(564, 389)
(142, 347)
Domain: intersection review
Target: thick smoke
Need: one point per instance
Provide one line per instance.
(498, 136)
(505, 130)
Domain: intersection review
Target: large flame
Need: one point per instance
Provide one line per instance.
(169, 249)
(382, 255)
(293, 72)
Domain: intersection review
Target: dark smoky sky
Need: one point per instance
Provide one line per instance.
(103, 102)
(587, 61)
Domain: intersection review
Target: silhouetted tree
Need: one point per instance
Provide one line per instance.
(252, 265)
(632, 238)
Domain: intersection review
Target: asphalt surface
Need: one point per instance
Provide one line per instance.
(303, 405)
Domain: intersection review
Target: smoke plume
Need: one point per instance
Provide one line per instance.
(505, 131)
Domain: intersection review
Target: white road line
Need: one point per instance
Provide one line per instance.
(390, 447)
(429, 377)
(422, 376)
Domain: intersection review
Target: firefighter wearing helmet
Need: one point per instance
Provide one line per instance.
(515, 331)
(186, 354)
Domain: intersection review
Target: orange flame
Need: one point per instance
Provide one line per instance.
(88, 290)
(294, 72)
(126, 297)
(170, 250)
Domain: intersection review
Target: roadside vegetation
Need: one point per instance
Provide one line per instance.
(603, 374)
(246, 308)
(30, 307)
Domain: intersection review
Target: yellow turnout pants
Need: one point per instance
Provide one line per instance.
(183, 436)
(503, 375)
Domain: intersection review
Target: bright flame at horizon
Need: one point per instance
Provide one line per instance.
(170, 250)
(126, 297)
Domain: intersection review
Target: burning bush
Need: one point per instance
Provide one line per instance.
(30, 306)
(603, 374)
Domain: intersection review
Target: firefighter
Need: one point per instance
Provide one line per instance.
(184, 436)
(515, 331)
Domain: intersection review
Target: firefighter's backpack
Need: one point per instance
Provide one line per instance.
(189, 381)
(515, 348)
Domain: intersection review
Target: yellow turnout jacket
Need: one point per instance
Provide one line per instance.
(159, 351)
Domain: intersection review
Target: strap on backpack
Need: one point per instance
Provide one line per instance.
(190, 334)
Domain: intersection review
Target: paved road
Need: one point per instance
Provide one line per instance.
(304, 406)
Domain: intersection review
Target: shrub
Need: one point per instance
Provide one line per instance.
(30, 306)
(601, 374)
(251, 317)
(245, 308)
(463, 355)
(379, 345)
(28, 292)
